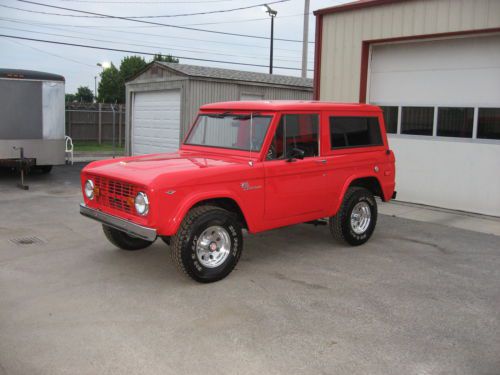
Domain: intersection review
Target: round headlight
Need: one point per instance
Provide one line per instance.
(141, 204)
(89, 189)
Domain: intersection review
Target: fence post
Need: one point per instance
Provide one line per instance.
(120, 109)
(70, 133)
(99, 131)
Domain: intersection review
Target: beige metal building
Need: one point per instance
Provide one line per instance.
(434, 67)
(162, 101)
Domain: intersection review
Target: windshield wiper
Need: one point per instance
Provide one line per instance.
(218, 115)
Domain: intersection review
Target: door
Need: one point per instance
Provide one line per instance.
(295, 187)
(156, 122)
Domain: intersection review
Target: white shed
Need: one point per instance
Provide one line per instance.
(163, 100)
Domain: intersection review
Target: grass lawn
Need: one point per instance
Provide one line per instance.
(92, 146)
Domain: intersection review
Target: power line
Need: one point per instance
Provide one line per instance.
(242, 20)
(52, 54)
(126, 31)
(160, 24)
(150, 16)
(146, 45)
(211, 50)
(147, 2)
(141, 52)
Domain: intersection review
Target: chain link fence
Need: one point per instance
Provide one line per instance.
(99, 122)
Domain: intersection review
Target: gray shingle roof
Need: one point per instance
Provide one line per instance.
(238, 75)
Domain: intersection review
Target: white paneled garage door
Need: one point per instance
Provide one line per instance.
(441, 93)
(461, 71)
(156, 121)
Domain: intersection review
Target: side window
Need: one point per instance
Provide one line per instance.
(354, 132)
(295, 131)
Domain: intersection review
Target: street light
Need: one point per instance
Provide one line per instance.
(104, 65)
(272, 13)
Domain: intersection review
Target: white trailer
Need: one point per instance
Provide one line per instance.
(32, 119)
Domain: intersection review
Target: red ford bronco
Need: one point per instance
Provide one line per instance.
(246, 165)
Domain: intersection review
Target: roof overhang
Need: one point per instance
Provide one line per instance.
(354, 5)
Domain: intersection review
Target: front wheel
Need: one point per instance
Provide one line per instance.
(208, 244)
(123, 240)
(355, 221)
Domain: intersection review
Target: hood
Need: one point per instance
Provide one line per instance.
(145, 169)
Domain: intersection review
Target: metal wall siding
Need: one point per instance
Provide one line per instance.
(203, 92)
(344, 32)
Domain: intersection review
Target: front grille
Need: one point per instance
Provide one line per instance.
(115, 194)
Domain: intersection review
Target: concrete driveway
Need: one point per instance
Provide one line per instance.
(419, 298)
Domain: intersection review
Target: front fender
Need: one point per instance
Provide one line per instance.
(187, 201)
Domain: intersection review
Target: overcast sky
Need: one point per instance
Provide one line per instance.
(78, 65)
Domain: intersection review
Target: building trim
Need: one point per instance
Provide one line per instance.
(354, 5)
(317, 57)
(366, 45)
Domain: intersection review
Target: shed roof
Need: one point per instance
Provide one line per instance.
(237, 75)
(354, 5)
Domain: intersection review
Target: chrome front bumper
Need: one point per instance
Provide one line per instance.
(132, 229)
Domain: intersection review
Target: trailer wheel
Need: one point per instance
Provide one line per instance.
(44, 168)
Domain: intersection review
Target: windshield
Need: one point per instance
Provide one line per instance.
(229, 131)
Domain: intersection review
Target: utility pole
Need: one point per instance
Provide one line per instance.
(272, 42)
(305, 38)
(272, 13)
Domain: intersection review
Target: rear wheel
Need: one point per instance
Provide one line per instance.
(208, 244)
(356, 219)
(123, 240)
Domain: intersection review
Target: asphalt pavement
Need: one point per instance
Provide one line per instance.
(419, 298)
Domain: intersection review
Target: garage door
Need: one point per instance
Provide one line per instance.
(156, 122)
(442, 99)
(461, 71)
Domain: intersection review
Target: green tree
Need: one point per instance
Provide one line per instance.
(109, 86)
(69, 98)
(112, 84)
(84, 95)
(129, 67)
(165, 58)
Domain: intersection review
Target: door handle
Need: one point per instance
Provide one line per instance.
(323, 161)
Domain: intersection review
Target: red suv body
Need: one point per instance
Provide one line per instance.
(262, 164)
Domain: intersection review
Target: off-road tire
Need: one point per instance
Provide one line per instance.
(183, 244)
(340, 224)
(123, 240)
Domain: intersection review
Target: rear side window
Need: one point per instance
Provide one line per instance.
(354, 132)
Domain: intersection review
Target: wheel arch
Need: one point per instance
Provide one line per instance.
(222, 199)
(369, 182)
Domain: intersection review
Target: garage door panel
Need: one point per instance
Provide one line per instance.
(436, 87)
(461, 71)
(156, 122)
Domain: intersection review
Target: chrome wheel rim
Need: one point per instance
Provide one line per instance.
(213, 246)
(361, 216)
